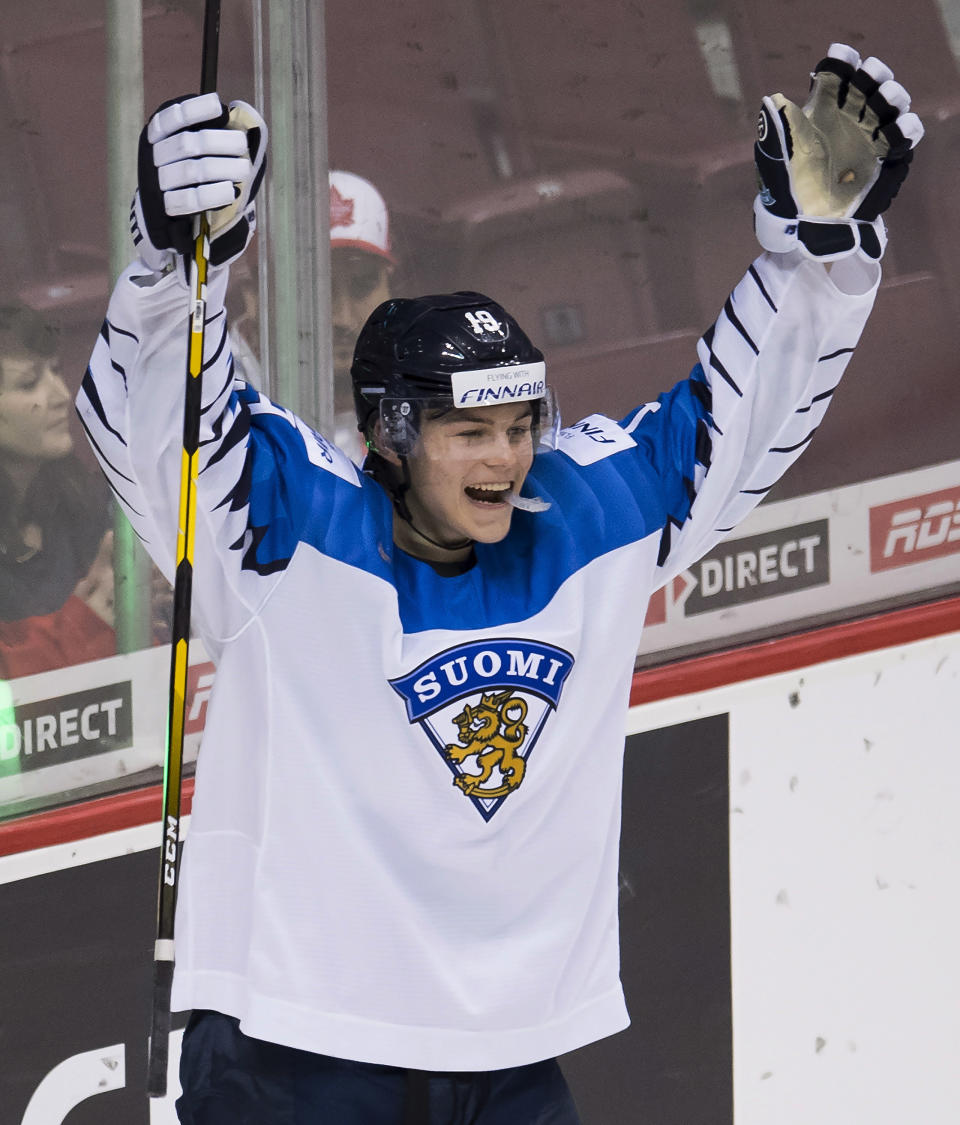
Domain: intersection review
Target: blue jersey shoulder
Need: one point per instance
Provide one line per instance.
(608, 484)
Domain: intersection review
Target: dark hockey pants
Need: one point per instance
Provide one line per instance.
(230, 1079)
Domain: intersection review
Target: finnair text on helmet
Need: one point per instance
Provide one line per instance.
(508, 392)
(493, 385)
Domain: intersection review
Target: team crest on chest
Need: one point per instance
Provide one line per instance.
(483, 706)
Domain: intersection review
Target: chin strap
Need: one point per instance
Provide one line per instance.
(398, 495)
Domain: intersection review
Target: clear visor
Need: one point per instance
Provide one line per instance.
(435, 428)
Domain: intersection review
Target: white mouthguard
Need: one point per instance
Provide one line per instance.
(527, 504)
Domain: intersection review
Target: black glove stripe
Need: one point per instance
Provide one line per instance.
(884, 191)
(826, 238)
(772, 167)
(258, 178)
(882, 108)
(787, 133)
(865, 83)
(869, 242)
(843, 70)
(900, 146)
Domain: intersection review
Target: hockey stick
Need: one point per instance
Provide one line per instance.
(163, 955)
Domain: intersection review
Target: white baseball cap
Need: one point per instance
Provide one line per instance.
(358, 215)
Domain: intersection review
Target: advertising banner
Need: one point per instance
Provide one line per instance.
(815, 557)
(915, 529)
(67, 733)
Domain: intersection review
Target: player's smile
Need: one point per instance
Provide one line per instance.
(489, 495)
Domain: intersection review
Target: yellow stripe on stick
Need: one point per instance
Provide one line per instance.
(185, 459)
(192, 521)
(196, 349)
(178, 709)
(186, 526)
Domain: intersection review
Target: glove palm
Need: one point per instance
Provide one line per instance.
(830, 168)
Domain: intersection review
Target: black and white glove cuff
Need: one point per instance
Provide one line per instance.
(821, 240)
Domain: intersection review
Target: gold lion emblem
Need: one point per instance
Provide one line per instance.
(491, 731)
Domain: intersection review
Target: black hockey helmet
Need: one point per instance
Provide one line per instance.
(444, 351)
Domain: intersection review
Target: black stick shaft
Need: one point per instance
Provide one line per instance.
(158, 1058)
(211, 47)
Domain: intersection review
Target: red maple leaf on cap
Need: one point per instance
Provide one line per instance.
(341, 209)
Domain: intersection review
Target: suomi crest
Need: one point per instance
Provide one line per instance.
(483, 707)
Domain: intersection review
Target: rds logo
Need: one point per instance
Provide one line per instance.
(483, 706)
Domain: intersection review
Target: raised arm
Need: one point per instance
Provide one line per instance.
(769, 366)
(254, 458)
(705, 453)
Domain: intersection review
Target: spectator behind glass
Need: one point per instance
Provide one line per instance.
(361, 265)
(56, 576)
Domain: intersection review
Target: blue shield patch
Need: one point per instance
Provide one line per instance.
(483, 706)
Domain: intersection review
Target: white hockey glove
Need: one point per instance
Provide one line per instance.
(197, 154)
(829, 169)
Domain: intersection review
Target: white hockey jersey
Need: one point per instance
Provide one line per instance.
(404, 842)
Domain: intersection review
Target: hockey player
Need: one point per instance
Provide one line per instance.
(400, 886)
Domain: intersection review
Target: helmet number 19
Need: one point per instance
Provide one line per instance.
(483, 322)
